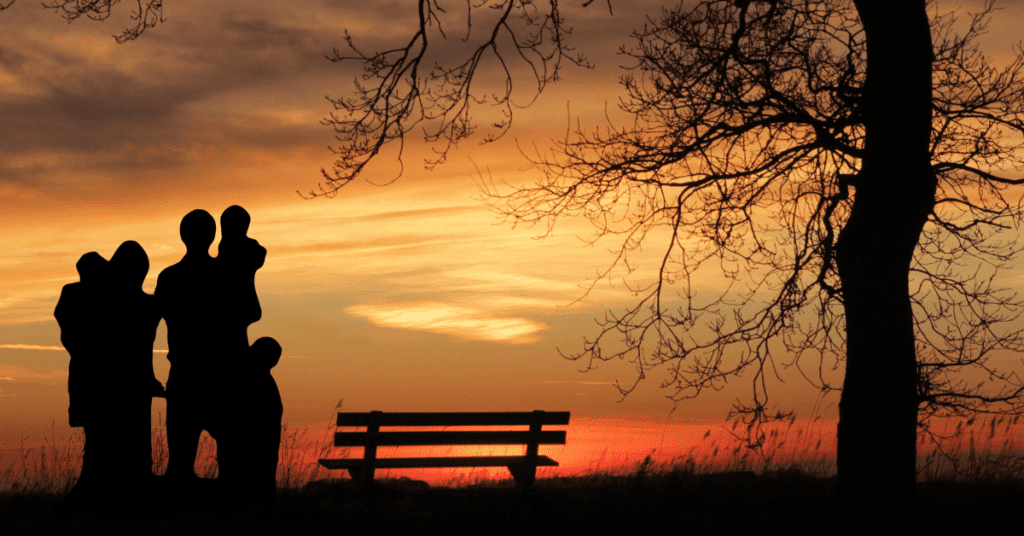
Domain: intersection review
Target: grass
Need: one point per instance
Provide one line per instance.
(973, 450)
(971, 477)
(49, 469)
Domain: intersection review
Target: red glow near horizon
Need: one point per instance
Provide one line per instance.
(594, 446)
(620, 446)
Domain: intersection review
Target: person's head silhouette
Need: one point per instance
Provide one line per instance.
(130, 264)
(234, 222)
(90, 267)
(265, 352)
(197, 231)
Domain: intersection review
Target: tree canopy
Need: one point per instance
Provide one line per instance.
(746, 142)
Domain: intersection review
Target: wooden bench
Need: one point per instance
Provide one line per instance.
(523, 468)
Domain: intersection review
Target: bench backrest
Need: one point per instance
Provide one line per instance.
(376, 419)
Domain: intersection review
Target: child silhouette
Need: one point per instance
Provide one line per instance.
(248, 442)
(240, 257)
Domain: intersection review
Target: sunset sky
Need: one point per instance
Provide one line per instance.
(411, 296)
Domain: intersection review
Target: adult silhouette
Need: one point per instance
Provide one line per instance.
(208, 304)
(134, 316)
(108, 325)
(188, 294)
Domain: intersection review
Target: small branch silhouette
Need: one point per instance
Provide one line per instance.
(147, 13)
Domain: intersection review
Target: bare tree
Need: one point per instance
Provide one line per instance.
(824, 154)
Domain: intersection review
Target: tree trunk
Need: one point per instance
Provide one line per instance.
(894, 194)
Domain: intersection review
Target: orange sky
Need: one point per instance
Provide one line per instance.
(406, 297)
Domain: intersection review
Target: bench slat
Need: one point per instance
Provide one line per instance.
(454, 437)
(464, 461)
(456, 419)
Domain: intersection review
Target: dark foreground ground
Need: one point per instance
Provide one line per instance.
(669, 503)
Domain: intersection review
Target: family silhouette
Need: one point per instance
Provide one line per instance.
(108, 325)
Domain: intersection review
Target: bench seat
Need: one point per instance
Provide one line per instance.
(459, 461)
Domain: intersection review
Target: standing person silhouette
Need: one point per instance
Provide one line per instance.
(79, 332)
(248, 444)
(108, 324)
(189, 297)
(134, 317)
(79, 315)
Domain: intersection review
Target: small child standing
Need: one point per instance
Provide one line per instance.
(247, 447)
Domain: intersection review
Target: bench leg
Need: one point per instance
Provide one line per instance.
(524, 475)
(361, 475)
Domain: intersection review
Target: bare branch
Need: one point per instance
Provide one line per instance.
(146, 15)
(416, 87)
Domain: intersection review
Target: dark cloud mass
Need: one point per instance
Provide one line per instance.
(210, 76)
(209, 82)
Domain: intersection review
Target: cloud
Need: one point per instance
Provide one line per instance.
(369, 244)
(21, 308)
(574, 382)
(31, 347)
(217, 83)
(13, 373)
(447, 319)
(445, 214)
(17, 346)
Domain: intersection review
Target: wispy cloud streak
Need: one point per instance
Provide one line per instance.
(51, 348)
(571, 382)
(447, 319)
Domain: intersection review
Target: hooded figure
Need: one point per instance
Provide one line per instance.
(129, 369)
(108, 325)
